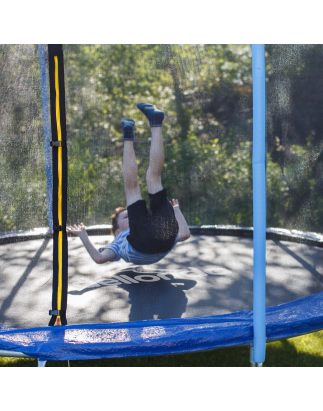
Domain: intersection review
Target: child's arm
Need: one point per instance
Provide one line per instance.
(184, 231)
(99, 258)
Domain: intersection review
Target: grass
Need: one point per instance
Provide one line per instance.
(302, 351)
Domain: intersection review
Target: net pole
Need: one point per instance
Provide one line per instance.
(60, 171)
(47, 133)
(259, 202)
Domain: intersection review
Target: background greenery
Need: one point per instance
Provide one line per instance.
(206, 93)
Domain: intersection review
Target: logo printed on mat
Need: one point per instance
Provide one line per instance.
(145, 275)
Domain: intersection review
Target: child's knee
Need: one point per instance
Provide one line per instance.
(131, 185)
(152, 177)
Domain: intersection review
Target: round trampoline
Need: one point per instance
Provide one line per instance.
(214, 302)
(210, 274)
(201, 296)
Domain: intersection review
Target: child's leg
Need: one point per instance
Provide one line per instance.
(163, 228)
(156, 161)
(130, 167)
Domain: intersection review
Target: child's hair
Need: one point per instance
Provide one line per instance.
(114, 219)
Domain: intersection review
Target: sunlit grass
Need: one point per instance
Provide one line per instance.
(303, 351)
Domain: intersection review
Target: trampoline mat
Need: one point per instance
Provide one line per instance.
(203, 276)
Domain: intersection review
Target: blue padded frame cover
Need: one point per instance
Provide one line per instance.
(157, 337)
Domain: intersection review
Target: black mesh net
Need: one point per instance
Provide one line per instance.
(23, 201)
(207, 99)
(294, 124)
(206, 94)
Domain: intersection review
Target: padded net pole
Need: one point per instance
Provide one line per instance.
(259, 202)
(58, 143)
(46, 127)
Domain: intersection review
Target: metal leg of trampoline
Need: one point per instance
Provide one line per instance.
(42, 363)
(252, 363)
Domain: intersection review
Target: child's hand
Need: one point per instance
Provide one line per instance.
(78, 230)
(175, 203)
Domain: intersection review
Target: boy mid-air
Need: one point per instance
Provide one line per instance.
(141, 238)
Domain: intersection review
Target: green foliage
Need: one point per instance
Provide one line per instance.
(183, 81)
(206, 93)
(23, 202)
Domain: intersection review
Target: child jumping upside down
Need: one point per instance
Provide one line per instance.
(141, 238)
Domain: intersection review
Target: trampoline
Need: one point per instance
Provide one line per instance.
(202, 295)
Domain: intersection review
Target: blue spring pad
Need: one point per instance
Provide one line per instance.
(157, 337)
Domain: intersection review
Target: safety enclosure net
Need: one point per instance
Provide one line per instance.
(206, 94)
